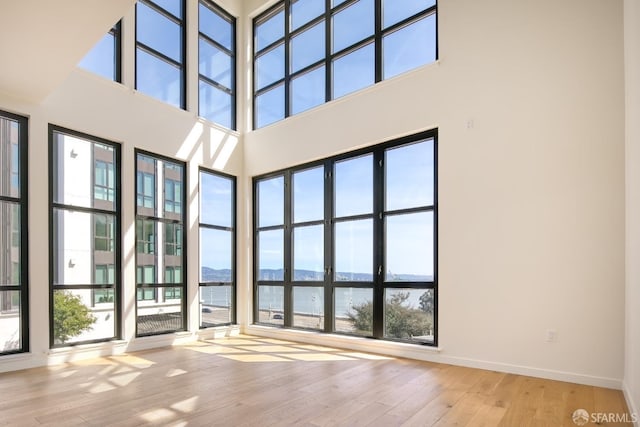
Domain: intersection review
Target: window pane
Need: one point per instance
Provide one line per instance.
(216, 200)
(353, 24)
(270, 67)
(215, 105)
(10, 243)
(395, 11)
(270, 30)
(271, 255)
(101, 59)
(354, 186)
(308, 195)
(271, 202)
(409, 247)
(10, 158)
(308, 90)
(271, 305)
(105, 275)
(75, 319)
(74, 170)
(354, 251)
(216, 305)
(307, 47)
(335, 3)
(408, 314)
(146, 237)
(216, 27)
(158, 32)
(303, 11)
(172, 6)
(216, 251)
(409, 47)
(74, 254)
(354, 71)
(409, 176)
(215, 64)
(308, 307)
(173, 234)
(10, 335)
(158, 79)
(353, 309)
(157, 317)
(270, 107)
(308, 253)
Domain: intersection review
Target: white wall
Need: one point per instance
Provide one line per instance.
(632, 297)
(88, 103)
(528, 98)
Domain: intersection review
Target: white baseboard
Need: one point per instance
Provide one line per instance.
(631, 404)
(425, 353)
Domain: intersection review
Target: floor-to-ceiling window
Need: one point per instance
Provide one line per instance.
(160, 244)
(217, 64)
(349, 244)
(161, 50)
(217, 249)
(85, 248)
(308, 52)
(14, 254)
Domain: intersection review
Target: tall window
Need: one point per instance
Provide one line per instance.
(104, 58)
(85, 248)
(307, 52)
(160, 239)
(348, 245)
(217, 72)
(160, 50)
(14, 253)
(217, 249)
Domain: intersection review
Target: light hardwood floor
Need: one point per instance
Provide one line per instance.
(252, 381)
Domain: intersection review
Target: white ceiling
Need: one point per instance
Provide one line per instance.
(41, 41)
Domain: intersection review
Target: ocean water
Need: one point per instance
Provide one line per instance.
(310, 300)
(307, 300)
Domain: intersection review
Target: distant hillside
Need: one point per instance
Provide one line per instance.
(212, 275)
(224, 275)
(309, 275)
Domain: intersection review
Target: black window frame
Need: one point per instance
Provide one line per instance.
(327, 60)
(145, 288)
(23, 202)
(234, 245)
(232, 91)
(116, 213)
(378, 215)
(182, 64)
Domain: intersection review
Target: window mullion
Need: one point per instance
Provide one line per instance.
(378, 41)
(287, 252)
(287, 62)
(328, 244)
(378, 244)
(328, 26)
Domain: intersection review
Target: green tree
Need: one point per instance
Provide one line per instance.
(401, 320)
(70, 316)
(426, 302)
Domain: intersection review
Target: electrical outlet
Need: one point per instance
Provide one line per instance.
(552, 335)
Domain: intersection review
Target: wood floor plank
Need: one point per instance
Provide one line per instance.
(251, 381)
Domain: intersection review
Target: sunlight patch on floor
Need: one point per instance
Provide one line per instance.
(245, 348)
(187, 405)
(255, 358)
(175, 372)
